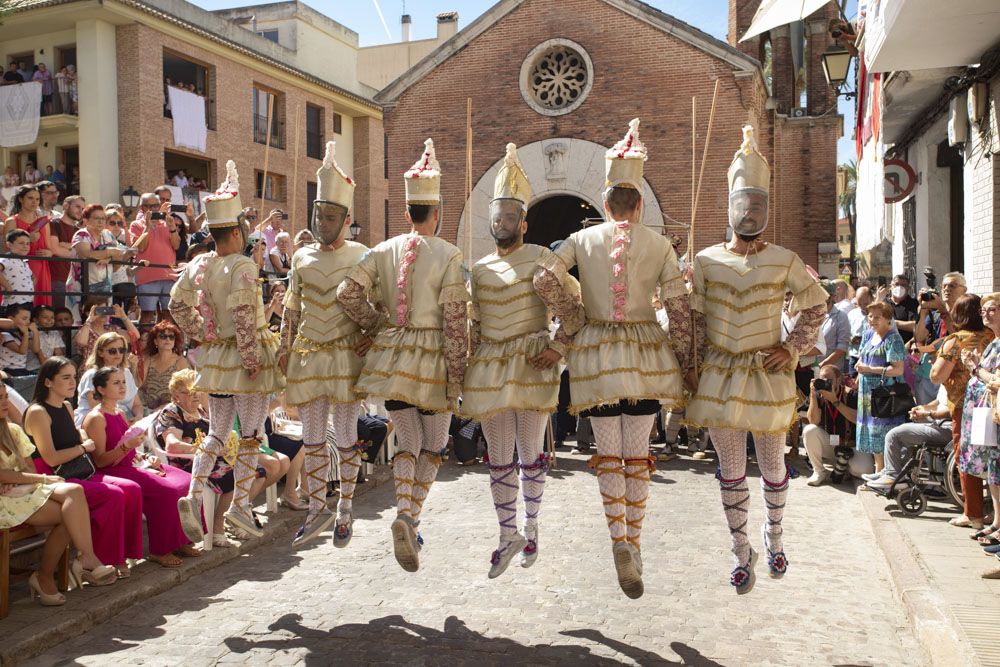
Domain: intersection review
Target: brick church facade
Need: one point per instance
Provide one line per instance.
(562, 79)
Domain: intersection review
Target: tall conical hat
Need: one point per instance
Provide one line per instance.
(749, 169)
(625, 159)
(223, 207)
(511, 181)
(332, 184)
(423, 179)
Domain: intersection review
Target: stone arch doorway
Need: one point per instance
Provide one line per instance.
(555, 167)
(555, 218)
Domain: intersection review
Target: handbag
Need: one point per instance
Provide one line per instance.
(892, 400)
(82, 467)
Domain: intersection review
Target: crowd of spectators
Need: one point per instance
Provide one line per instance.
(94, 367)
(60, 90)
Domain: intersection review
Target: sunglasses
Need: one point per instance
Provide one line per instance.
(165, 336)
(114, 350)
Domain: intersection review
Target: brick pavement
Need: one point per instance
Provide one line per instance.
(325, 606)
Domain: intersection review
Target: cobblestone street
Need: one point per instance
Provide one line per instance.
(324, 606)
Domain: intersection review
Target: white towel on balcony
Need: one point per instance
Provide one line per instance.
(20, 107)
(188, 111)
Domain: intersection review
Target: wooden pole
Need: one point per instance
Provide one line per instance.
(267, 156)
(294, 196)
(694, 166)
(468, 181)
(704, 153)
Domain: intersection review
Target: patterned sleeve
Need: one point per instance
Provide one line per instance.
(351, 297)
(802, 337)
(553, 285)
(456, 345)
(679, 316)
(168, 418)
(289, 329)
(352, 293)
(805, 288)
(453, 285)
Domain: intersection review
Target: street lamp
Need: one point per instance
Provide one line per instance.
(836, 64)
(130, 198)
(355, 229)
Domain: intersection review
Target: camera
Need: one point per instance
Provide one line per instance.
(178, 208)
(928, 295)
(284, 216)
(823, 385)
(157, 215)
(104, 310)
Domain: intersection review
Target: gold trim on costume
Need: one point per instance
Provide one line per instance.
(746, 401)
(742, 292)
(601, 343)
(313, 378)
(666, 402)
(619, 371)
(231, 340)
(402, 374)
(516, 383)
(504, 302)
(408, 348)
(780, 298)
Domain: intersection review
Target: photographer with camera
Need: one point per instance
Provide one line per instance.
(929, 424)
(934, 323)
(154, 234)
(904, 307)
(829, 434)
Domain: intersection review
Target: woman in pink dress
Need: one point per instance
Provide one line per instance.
(24, 213)
(115, 503)
(162, 485)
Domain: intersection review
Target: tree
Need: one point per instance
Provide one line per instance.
(847, 204)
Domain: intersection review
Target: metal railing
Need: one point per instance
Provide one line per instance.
(277, 131)
(85, 291)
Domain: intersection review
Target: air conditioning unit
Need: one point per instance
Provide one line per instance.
(958, 121)
(799, 112)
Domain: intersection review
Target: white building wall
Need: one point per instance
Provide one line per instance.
(982, 204)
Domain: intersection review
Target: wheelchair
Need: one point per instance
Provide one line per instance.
(930, 466)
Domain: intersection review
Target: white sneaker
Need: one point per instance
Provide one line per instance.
(872, 476)
(883, 484)
(510, 546)
(818, 477)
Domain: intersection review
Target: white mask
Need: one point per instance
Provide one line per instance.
(899, 291)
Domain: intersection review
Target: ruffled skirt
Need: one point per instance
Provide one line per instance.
(734, 391)
(221, 371)
(499, 377)
(17, 506)
(407, 364)
(609, 362)
(327, 370)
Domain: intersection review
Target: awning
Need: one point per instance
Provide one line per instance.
(774, 13)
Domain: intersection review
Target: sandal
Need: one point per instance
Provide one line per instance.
(985, 532)
(188, 551)
(168, 561)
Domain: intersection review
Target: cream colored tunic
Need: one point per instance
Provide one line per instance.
(513, 330)
(610, 361)
(742, 298)
(215, 286)
(322, 363)
(408, 363)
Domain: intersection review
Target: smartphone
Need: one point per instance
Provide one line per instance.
(284, 216)
(104, 310)
(881, 281)
(158, 215)
(178, 208)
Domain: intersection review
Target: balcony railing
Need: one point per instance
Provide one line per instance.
(277, 131)
(63, 99)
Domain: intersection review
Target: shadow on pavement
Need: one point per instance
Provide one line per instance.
(393, 638)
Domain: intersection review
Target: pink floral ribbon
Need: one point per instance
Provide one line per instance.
(405, 268)
(619, 257)
(204, 308)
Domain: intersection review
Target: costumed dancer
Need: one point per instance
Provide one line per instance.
(747, 381)
(622, 364)
(217, 300)
(512, 382)
(322, 352)
(417, 360)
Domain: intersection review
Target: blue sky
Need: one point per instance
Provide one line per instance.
(362, 17)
